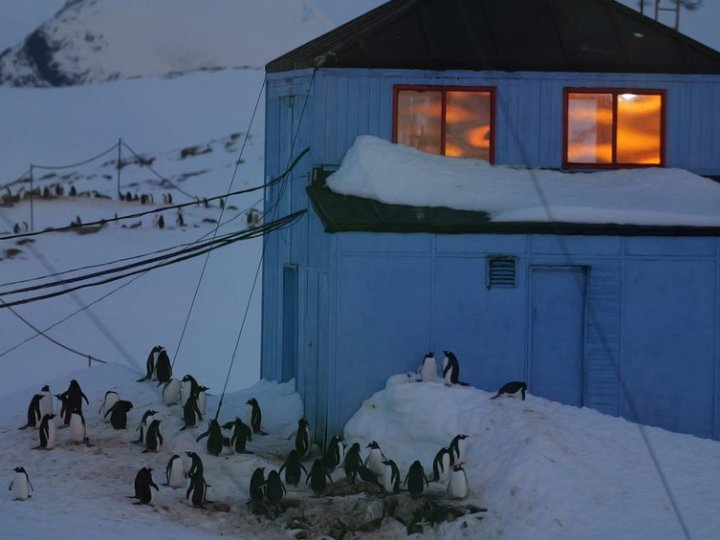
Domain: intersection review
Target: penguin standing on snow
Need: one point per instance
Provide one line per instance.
(241, 434)
(171, 392)
(302, 438)
(257, 484)
(77, 427)
(318, 477)
(147, 417)
(65, 411)
(190, 386)
(334, 454)
(33, 414)
(111, 398)
(416, 479)
(163, 368)
(47, 432)
(20, 485)
(198, 489)
(457, 449)
(191, 412)
(274, 488)
(175, 472)
(74, 395)
(375, 459)
(512, 389)
(255, 416)
(196, 464)
(451, 369)
(46, 402)
(441, 465)
(391, 477)
(353, 462)
(215, 437)
(118, 413)
(292, 467)
(143, 484)
(428, 368)
(457, 483)
(150, 363)
(153, 438)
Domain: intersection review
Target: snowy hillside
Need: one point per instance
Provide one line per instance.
(102, 40)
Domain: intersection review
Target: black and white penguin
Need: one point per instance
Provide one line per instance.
(512, 389)
(457, 483)
(196, 464)
(274, 488)
(457, 449)
(46, 403)
(47, 432)
(111, 398)
(215, 437)
(374, 460)
(257, 484)
(202, 398)
(147, 417)
(33, 414)
(118, 413)
(428, 368)
(20, 485)
(77, 427)
(150, 363)
(451, 369)
(189, 386)
(163, 368)
(302, 438)
(143, 484)
(334, 453)
(175, 472)
(353, 462)
(191, 412)
(391, 477)
(441, 465)
(74, 395)
(171, 392)
(65, 411)
(292, 467)
(198, 489)
(255, 416)
(318, 477)
(153, 437)
(416, 479)
(241, 434)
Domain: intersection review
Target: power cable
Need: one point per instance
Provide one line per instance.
(76, 164)
(143, 162)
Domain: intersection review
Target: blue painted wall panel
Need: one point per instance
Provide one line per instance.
(509, 244)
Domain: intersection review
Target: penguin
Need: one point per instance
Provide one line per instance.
(189, 384)
(201, 398)
(215, 438)
(163, 368)
(428, 368)
(366, 475)
(111, 398)
(143, 484)
(191, 413)
(175, 472)
(292, 467)
(33, 414)
(451, 369)
(196, 465)
(257, 484)
(317, 477)
(77, 427)
(47, 432)
(391, 476)
(65, 410)
(198, 489)
(150, 363)
(46, 402)
(147, 418)
(374, 460)
(171, 392)
(457, 449)
(20, 485)
(74, 395)
(274, 488)
(153, 437)
(353, 462)
(415, 479)
(441, 465)
(240, 435)
(334, 454)
(457, 483)
(512, 389)
(255, 416)
(118, 413)
(302, 438)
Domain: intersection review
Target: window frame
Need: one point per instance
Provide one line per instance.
(444, 89)
(615, 92)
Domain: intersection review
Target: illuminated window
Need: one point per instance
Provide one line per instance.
(614, 128)
(451, 121)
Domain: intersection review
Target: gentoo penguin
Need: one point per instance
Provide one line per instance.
(201, 398)
(65, 411)
(196, 464)
(163, 368)
(74, 396)
(20, 485)
(317, 477)
(118, 413)
(171, 392)
(153, 438)
(391, 477)
(292, 467)
(441, 465)
(241, 434)
(257, 484)
(77, 426)
(215, 437)
(374, 460)
(457, 484)
(150, 363)
(191, 413)
(143, 482)
(334, 454)
(457, 449)
(147, 417)
(47, 432)
(189, 386)
(175, 472)
(302, 438)
(274, 488)
(198, 489)
(255, 416)
(428, 368)
(512, 389)
(111, 398)
(451, 369)
(415, 479)
(353, 462)
(33, 414)
(46, 403)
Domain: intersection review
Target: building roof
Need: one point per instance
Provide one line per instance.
(504, 35)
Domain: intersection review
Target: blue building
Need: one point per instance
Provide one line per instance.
(620, 318)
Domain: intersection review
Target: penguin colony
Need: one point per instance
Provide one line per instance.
(187, 471)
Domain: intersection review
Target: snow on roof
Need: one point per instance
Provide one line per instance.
(376, 169)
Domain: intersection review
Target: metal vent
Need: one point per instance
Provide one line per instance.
(500, 271)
